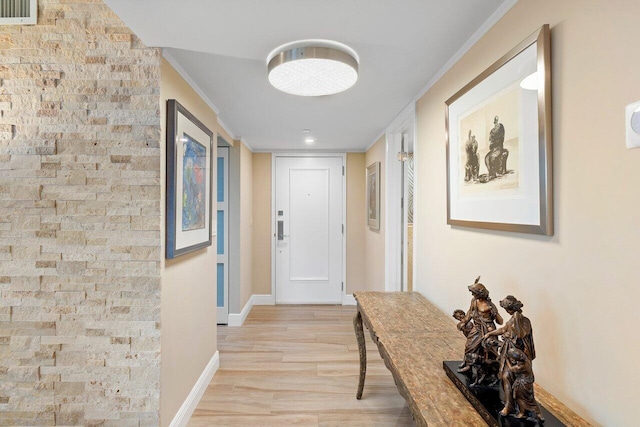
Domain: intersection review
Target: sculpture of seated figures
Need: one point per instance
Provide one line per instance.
(496, 158)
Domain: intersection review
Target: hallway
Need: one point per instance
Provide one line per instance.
(298, 365)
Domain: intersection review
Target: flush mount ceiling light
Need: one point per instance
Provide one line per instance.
(313, 68)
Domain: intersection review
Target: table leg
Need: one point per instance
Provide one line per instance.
(362, 349)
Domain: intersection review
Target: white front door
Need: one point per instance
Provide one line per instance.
(309, 230)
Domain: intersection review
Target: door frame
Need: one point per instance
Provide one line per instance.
(395, 237)
(274, 156)
(222, 318)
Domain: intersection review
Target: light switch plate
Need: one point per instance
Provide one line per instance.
(632, 117)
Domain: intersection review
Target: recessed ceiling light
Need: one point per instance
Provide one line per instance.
(309, 140)
(313, 68)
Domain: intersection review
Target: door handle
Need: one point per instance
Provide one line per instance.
(281, 234)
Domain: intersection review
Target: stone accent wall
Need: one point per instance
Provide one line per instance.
(79, 221)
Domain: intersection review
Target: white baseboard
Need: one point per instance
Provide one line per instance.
(263, 299)
(348, 299)
(298, 302)
(238, 319)
(191, 402)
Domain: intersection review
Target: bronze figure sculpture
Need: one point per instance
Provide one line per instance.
(517, 351)
(465, 328)
(522, 387)
(496, 375)
(479, 352)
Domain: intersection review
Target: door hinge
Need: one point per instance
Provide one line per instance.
(343, 171)
(343, 286)
(342, 228)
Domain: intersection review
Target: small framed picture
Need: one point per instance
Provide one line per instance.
(373, 196)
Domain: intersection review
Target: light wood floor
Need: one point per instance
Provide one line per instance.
(298, 366)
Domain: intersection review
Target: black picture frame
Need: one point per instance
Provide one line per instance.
(189, 181)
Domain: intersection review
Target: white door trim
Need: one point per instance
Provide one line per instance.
(274, 217)
(222, 313)
(392, 218)
(404, 123)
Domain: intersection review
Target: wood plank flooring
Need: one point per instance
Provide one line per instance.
(298, 366)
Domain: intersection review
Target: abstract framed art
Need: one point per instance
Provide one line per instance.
(373, 196)
(499, 148)
(189, 189)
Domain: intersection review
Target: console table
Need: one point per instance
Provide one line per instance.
(414, 338)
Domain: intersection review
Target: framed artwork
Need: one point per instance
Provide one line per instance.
(373, 196)
(189, 197)
(499, 148)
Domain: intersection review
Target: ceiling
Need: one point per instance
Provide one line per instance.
(222, 46)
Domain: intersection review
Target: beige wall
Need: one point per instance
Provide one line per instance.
(246, 223)
(188, 300)
(580, 287)
(374, 239)
(225, 135)
(356, 222)
(262, 223)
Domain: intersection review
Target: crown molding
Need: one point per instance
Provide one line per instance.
(174, 63)
(488, 24)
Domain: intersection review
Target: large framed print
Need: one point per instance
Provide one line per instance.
(373, 196)
(189, 182)
(499, 148)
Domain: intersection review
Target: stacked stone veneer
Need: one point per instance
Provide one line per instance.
(79, 220)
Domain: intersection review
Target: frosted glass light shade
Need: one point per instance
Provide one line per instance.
(313, 71)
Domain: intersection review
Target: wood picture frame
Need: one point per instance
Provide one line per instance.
(373, 196)
(499, 144)
(189, 182)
